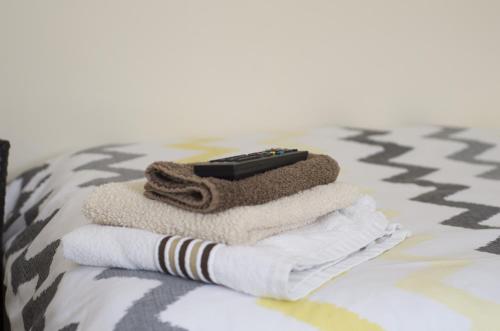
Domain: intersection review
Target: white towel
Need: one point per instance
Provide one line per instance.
(286, 266)
(123, 204)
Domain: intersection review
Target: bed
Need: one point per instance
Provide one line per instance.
(442, 183)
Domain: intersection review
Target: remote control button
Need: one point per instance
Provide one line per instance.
(228, 159)
(245, 165)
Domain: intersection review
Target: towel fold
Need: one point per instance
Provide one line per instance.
(123, 204)
(286, 266)
(176, 184)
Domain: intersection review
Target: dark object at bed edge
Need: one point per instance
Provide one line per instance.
(4, 153)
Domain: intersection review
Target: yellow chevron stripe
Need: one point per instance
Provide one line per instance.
(203, 145)
(430, 282)
(323, 316)
(389, 213)
(289, 140)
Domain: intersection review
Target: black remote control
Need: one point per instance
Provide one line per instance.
(245, 165)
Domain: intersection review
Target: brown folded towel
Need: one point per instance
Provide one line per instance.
(177, 185)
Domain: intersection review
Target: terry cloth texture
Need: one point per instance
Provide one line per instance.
(286, 266)
(123, 204)
(176, 184)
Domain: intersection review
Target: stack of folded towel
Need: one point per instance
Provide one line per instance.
(278, 234)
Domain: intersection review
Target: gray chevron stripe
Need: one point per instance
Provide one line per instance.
(143, 313)
(474, 213)
(28, 217)
(470, 152)
(491, 247)
(37, 266)
(25, 195)
(468, 155)
(106, 165)
(34, 311)
(26, 236)
(70, 327)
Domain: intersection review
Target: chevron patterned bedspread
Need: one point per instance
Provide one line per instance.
(441, 183)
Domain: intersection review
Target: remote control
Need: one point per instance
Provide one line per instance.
(245, 165)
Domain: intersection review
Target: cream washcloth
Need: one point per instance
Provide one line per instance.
(286, 266)
(123, 204)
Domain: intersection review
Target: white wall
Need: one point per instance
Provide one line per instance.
(77, 73)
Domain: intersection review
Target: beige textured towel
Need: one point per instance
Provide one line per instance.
(176, 184)
(123, 204)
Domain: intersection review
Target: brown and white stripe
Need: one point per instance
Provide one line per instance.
(186, 257)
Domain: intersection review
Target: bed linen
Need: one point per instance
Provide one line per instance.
(441, 183)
